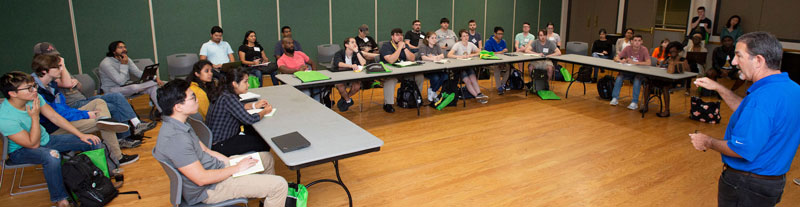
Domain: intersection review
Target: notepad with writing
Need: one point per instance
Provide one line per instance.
(258, 167)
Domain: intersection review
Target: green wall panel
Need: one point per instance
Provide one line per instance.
(551, 12)
(500, 13)
(466, 10)
(182, 26)
(348, 15)
(397, 14)
(309, 22)
(262, 20)
(432, 11)
(28, 22)
(98, 27)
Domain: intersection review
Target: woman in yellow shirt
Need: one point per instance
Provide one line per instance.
(202, 85)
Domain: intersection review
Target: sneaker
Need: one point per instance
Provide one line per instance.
(127, 143)
(614, 102)
(501, 90)
(483, 101)
(342, 105)
(143, 127)
(796, 181)
(482, 96)
(633, 106)
(128, 159)
(388, 108)
(112, 126)
(431, 95)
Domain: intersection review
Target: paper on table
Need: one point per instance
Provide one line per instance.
(465, 58)
(248, 95)
(442, 61)
(531, 54)
(258, 167)
(255, 111)
(405, 63)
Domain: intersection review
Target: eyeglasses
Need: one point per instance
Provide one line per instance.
(31, 88)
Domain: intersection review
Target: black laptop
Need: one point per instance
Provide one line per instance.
(290, 142)
(148, 74)
(230, 66)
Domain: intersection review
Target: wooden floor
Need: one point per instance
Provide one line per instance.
(513, 151)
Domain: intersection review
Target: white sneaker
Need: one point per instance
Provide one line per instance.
(633, 106)
(431, 95)
(614, 102)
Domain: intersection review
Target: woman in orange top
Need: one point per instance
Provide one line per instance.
(660, 52)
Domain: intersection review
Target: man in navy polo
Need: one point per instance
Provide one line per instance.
(762, 137)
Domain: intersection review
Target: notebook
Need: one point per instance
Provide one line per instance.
(245, 97)
(258, 167)
(290, 142)
(255, 111)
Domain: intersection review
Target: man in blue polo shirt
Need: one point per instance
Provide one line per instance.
(496, 44)
(762, 137)
(215, 50)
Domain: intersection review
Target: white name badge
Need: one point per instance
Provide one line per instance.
(257, 49)
(703, 24)
(474, 40)
(545, 50)
(366, 39)
(727, 58)
(421, 36)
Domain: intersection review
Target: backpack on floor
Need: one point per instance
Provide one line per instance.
(605, 86)
(557, 75)
(515, 81)
(88, 183)
(408, 95)
(448, 96)
(584, 74)
(539, 83)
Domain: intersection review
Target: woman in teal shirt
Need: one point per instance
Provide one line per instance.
(732, 28)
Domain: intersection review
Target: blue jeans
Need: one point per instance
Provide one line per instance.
(118, 106)
(50, 163)
(637, 85)
(741, 190)
(597, 69)
(437, 79)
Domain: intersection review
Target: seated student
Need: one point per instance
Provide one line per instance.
(429, 51)
(118, 105)
(86, 118)
(414, 35)
(635, 54)
(721, 63)
(661, 51)
(367, 44)
(696, 44)
(523, 41)
(251, 54)
(545, 48)
(496, 44)
(447, 38)
(674, 64)
(202, 84)
(292, 61)
(216, 50)
(465, 49)
(624, 42)
(601, 48)
(349, 58)
(391, 52)
(115, 70)
(552, 36)
(227, 115)
(28, 142)
(207, 174)
(286, 31)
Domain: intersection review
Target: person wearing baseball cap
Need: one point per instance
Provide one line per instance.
(367, 44)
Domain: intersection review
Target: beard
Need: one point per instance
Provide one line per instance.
(289, 50)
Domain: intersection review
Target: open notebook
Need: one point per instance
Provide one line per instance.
(255, 111)
(258, 167)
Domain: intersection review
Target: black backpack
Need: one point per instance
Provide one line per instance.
(605, 86)
(408, 95)
(584, 74)
(515, 81)
(539, 78)
(88, 183)
(557, 76)
(451, 86)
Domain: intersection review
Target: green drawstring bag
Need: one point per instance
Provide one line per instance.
(566, 74)
(445, 100)
(297, 196)
(486, 55)
(98, 158)
(253, 81)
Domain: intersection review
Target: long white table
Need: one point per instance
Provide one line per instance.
(332, 137)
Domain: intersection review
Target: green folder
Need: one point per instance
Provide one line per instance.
(547, 95)
(310, 76)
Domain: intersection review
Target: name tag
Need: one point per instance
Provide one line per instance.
(545, 50)
(474, 41)
(421, 36)
(366, 39)
(727, 58)
(257, 49)
(703, 24)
